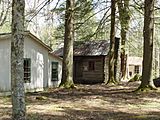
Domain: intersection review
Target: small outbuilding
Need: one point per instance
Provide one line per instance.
(42, 68)
(134, 66)
(90, 61)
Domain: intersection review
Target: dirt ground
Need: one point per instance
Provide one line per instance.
(89, 102)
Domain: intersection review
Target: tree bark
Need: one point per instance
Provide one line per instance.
(117, 60)
(17, 54)
(124, 17)
(67, 70)
(112, 46)
(147, 81)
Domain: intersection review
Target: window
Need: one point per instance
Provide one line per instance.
(27, 70)
(136, 69)
(91, 65)
(54, 70)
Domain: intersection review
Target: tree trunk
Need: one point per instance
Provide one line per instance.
(117, 60)
(147, 81)
(67, 70)
(17, 53)
(112, 46)
(155, 62)
(124, 17)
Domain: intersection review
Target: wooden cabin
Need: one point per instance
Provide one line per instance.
(90, 61)
(89, 69)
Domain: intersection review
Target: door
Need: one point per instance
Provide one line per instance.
(77, 71)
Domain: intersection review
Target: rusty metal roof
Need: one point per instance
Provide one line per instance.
(88, 48)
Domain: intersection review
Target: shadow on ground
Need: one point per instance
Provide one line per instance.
(71, 114)
(90, 102)
(117, 94)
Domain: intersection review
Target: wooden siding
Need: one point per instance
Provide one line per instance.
(82, 74)
(40, 65)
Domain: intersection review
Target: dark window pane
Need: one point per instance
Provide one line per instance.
(27, 70)
(136, 69)
(91, 65)
(54, 70)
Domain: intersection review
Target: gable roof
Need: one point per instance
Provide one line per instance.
(132, 60)
(56, 56)
(38, 40)
(28, 34)
(88, 48)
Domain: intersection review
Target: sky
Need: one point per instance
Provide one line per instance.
(38, 4)
(36, 17)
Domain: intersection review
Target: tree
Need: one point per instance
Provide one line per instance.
(5, 20)
(5, 6)
(124, 17)
(85, 20)
(117, 70)
(17, 53)
(67, 70)
(112, 77)
(147, 82)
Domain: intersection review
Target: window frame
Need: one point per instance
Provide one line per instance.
(27, 70)
(54, 71)
(91, 65)
(136, 69)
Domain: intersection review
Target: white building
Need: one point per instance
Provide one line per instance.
(42, 69)
(134, 66)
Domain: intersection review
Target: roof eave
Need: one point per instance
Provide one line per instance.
(38, 40)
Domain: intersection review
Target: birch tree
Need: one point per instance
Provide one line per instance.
(67, 69)
(17, 53)
(147, 81)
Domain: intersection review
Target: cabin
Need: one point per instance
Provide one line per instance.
(134, 66)
(90, 61)
(42, 68)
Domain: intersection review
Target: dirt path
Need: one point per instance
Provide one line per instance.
(89, 102)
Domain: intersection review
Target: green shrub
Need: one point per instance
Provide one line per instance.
(136, 77)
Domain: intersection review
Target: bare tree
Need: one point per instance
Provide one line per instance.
(17, 53)
(67, 70)
(147, 81)
(5, 6)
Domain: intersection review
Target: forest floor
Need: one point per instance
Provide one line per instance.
(89, 102)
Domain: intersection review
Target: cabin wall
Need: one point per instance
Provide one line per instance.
(5, 50)
(39, 64)
(50, 82)
(82, 73)
(131, 70)
(78, 69)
